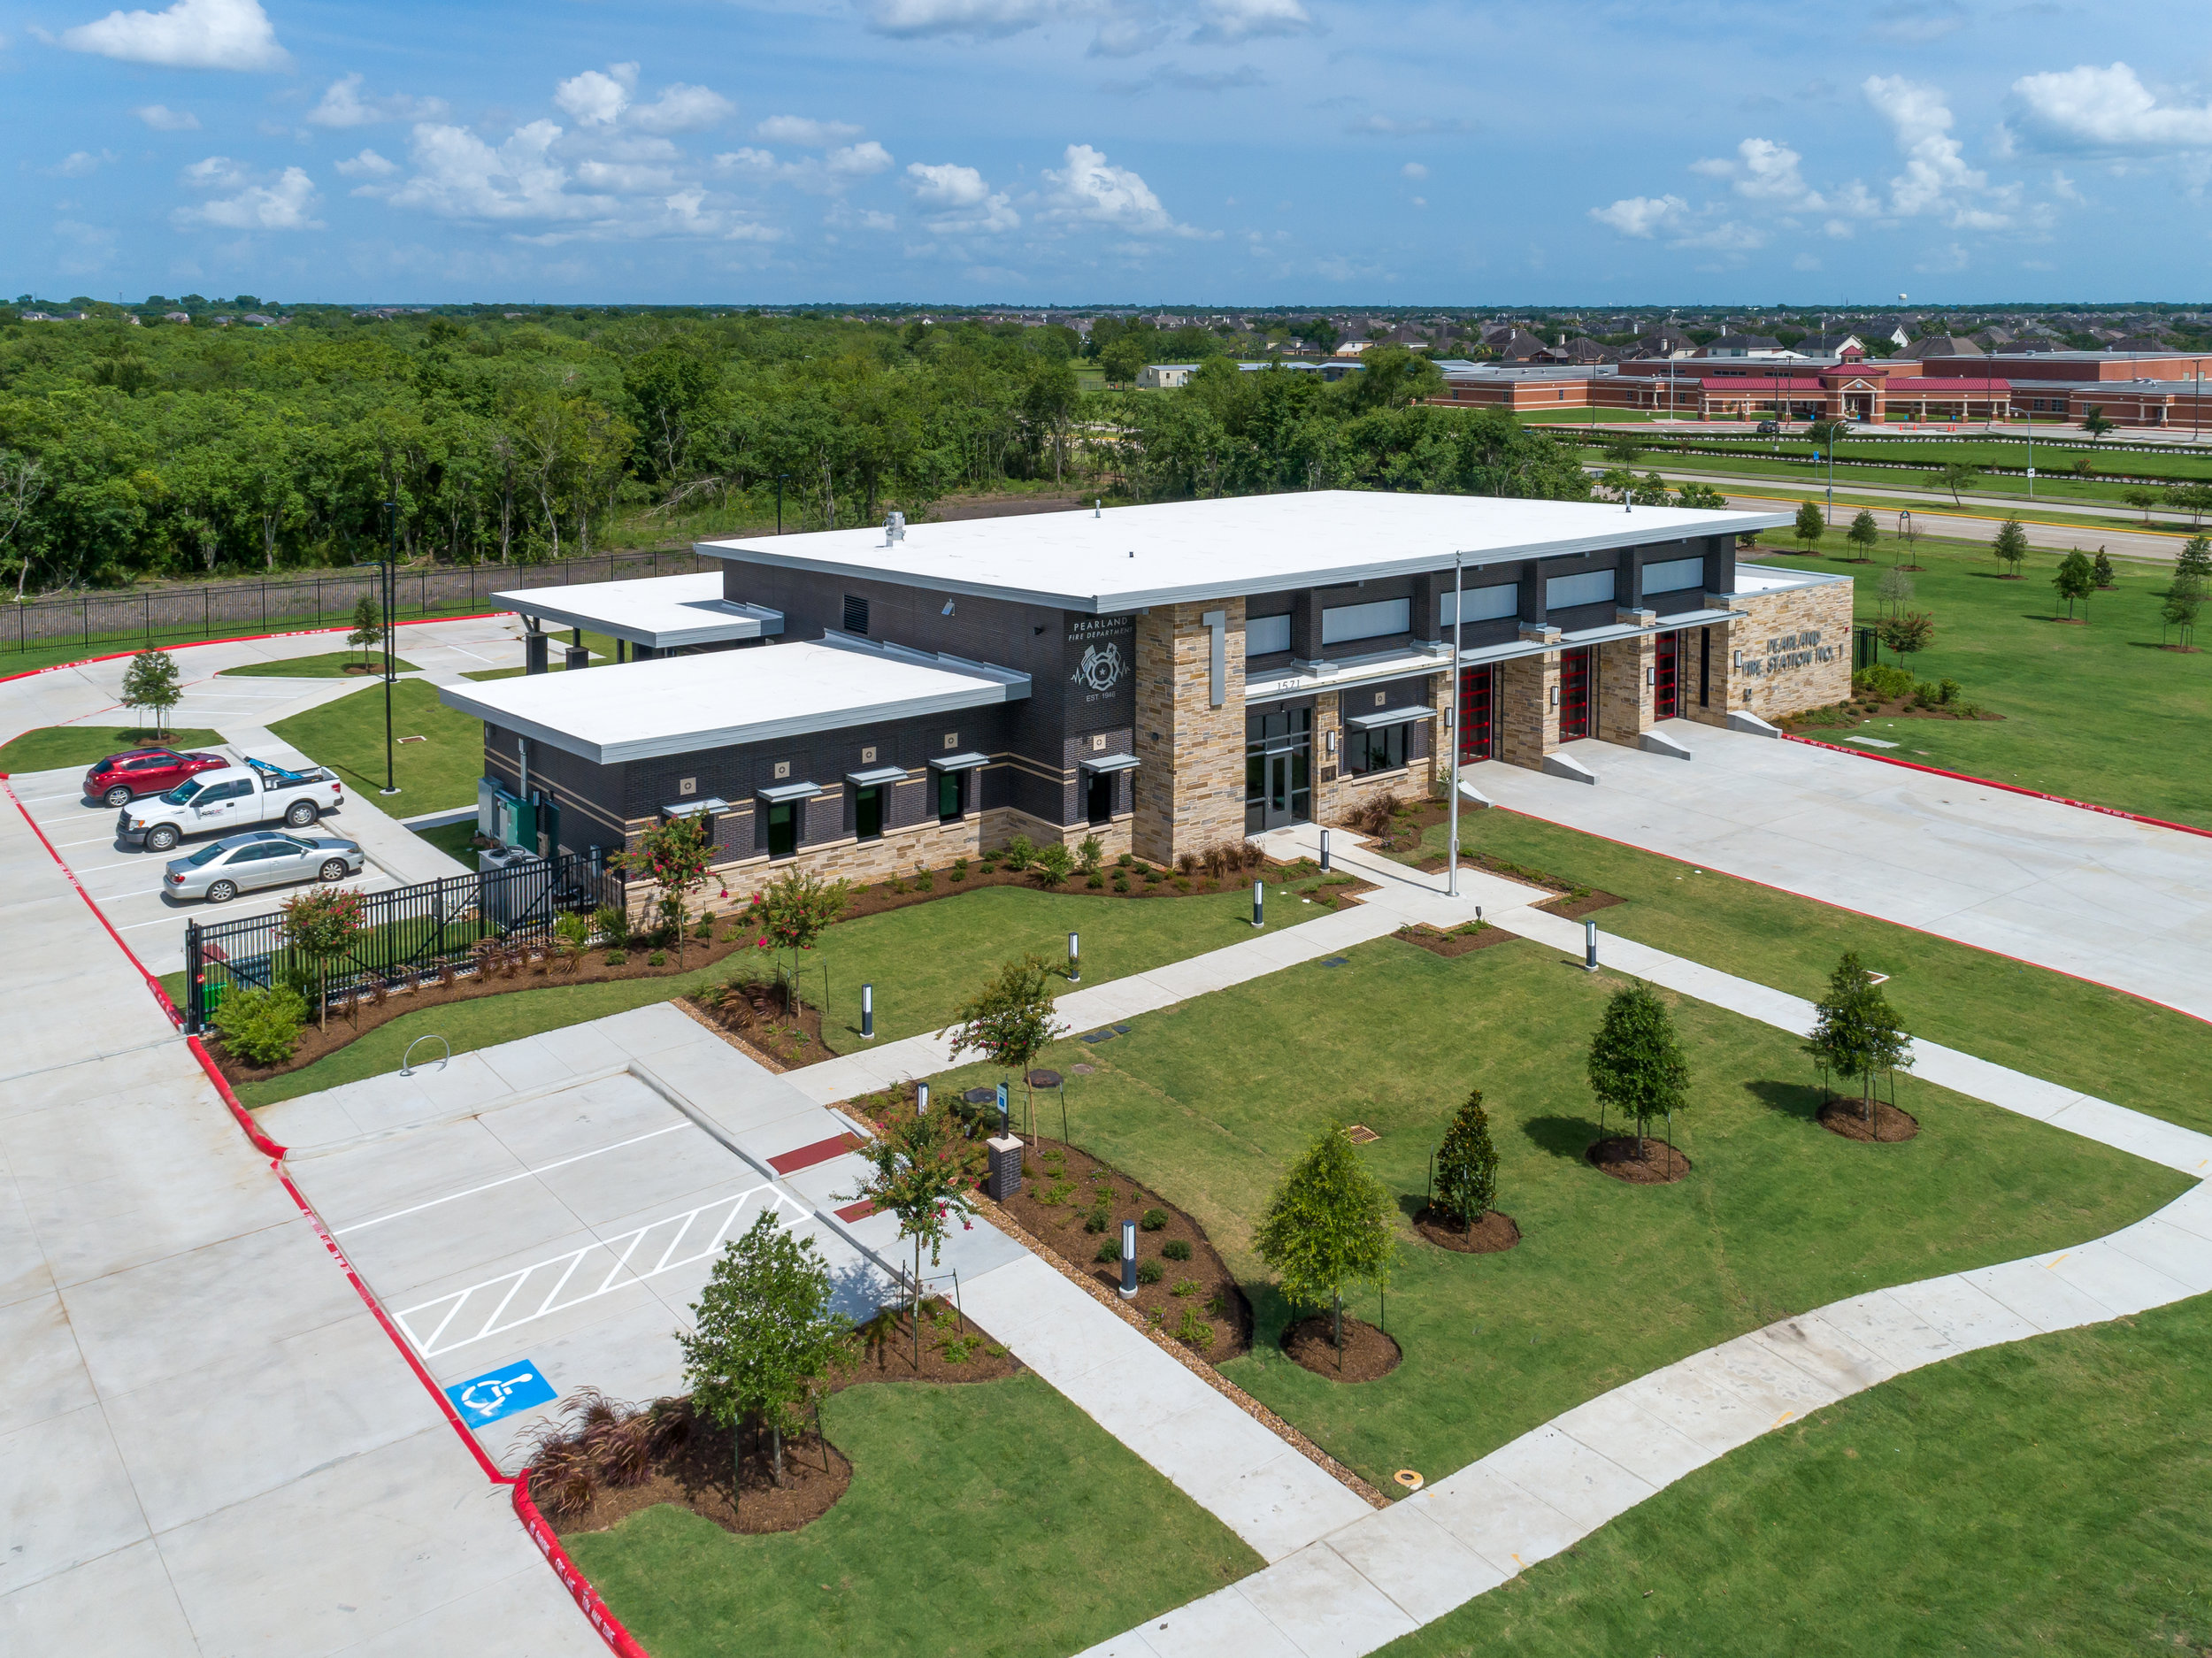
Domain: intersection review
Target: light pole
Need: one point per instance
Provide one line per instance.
(780, 478)
(1453, 734)
(388, 591)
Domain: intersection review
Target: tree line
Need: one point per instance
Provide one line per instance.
(170, 450)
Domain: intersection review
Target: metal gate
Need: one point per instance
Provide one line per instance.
(1666, 676)
(1477, 703)
(1574, 694)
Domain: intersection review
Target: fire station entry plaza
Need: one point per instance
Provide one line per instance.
(1163, 677)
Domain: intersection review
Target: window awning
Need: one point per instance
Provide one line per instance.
(1111, 762)
(876, 775)
(777, 793)
(713, 805)
(968, 762)
(1389, 717)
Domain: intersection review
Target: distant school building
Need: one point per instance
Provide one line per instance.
(1162, 677)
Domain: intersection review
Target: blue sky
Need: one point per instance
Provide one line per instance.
(1219, 152)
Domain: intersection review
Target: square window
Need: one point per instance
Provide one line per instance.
(1098, 745)
(867, 756)
(1381, 697)
(952, 741)
(783, 770)
(687, 786)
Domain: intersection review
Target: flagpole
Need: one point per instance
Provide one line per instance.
(1457, 707)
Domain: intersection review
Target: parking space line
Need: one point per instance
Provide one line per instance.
(562, 1163)
(34, 799)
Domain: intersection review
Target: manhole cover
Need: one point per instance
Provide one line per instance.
(1410, 1480)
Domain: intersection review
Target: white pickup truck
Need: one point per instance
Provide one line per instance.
(225, 801)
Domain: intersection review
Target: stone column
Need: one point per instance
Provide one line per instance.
(1328, 766)
(1725, 682)
(1443, 730)
(1624, 691)
(1189, 789)
(1526, 718)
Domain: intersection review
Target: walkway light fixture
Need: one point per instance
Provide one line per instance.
(1451, 730)
(1129, 1258)
(1075, 958)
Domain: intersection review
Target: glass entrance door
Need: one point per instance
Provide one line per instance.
(1476, 736)
(1574, 694)
(1666, 676)
(1278, 769)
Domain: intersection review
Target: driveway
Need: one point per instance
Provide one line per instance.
(2100, 897)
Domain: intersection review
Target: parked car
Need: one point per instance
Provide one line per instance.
(1770, 428)
(229, 799)
(121, 778)
(221, 869)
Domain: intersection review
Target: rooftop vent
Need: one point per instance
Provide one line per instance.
(894, 528)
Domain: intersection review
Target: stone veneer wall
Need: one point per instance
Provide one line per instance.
(1796, 654)
(1624, 696)
(1528, 722)
(1190, 785)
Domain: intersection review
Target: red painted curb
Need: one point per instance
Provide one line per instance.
(618, 1639)
(242, 639)
(1991, 782)
(260, 1141)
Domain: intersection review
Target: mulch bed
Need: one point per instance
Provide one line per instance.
(1890, 1125)
(756, 1017)
(1659, 1165)
(1368, 1353)
(702, 1474)
(1473, 935)
(1061, 1188)
(1574, 906)
(876, 897)
(1571, 898)
(1491, 1235)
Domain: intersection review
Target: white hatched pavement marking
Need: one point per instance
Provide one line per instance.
(562, 1268)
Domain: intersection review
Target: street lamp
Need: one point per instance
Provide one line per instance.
(1457, 707)
(389, 590)
(780, 478)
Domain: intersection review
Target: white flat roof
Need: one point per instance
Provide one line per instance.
(1751, 579)
(1188, 551)
(659, 612)
(641, 710)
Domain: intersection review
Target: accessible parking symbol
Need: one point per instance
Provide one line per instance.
(496, 1394)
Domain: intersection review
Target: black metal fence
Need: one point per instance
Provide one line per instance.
(435, 932)
(225, 609)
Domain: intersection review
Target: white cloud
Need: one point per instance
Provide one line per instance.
(960, 200)
(2088, 108)
(966, 17)
(342, 106)
(162, 119)
(1765, 170)
(683, 109)
(1226, 22)
(1936, 180)
(1413, 170)
(1088, 189)
(368, 164)
(818, 175)
(457, 175)
(1645, 217)
(805, 132)
(79, 164)
(1414, 126)
(191, 34)
(283, 203)
(598, 100)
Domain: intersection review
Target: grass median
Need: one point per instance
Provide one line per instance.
(435, 774)
(337, 665)
(50, 748)
(1208, 1102)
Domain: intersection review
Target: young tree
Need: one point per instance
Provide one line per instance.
(1913, 631)
(2094, 421)
(1864, 534)
(1010, 1020)
(1636, 1064)
(1701, 495)
(22, 482)
(1855, 1033)
(2105, 576)
(793, 911)
(763, 1339)
(2179, 611)
(368, 626)
(2142, 499)
(1328, 1227)
(1894, 589)
(2076, 579)
(1958, 476)
(152, 682)
(2194, 499)
(1467, 1166)
(923, 1170)
(1810, 527)
(2011, 547)
(322, 924)
(676, 855)
(2196, 558)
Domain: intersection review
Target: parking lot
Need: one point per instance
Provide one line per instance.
(539, 1216)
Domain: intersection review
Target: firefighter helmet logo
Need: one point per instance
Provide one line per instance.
(1102, 670)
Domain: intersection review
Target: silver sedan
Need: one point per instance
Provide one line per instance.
(223, 869)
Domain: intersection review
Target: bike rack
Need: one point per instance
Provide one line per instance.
(428, 1036)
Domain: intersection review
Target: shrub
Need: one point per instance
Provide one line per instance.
(1182, 884)
(1176, 1249)
(1125, 860)
(704, 930)
(1057, 1193)
(960, 869)
(1150, 1271)
(1947, 691)
(1109, 1248)
(1019, 854)
(261, 1026)
(658, 958)
(1099, 1216)
(618, 956)
(1095, 881)
(1121, 883)
(1195, 1332)
(1090, 854)
(1883, 681)
(1151, 878)
(1185, 1286)
(608, 922)
(924, 881)
(1186, 863)
(1154, 1219)
(571, 933)
(1467, 1165)
(1054, 863)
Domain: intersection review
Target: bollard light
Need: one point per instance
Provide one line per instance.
(1075, 958)
(1129, 1257)
(1324, 851)
(921, 1099)
(1005, 1112)
(867, 1013)
(1589, 946)
(1259, 903)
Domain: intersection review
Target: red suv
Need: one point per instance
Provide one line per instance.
(122, 778)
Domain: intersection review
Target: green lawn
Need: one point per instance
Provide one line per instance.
(348, 736)
(1210, 1102)
(992, 1518)
(2041, 1498)
(52, 747)
(2102, 1042)
(2093, 713)
(331, 666)
(923, 961)
(456, 840)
